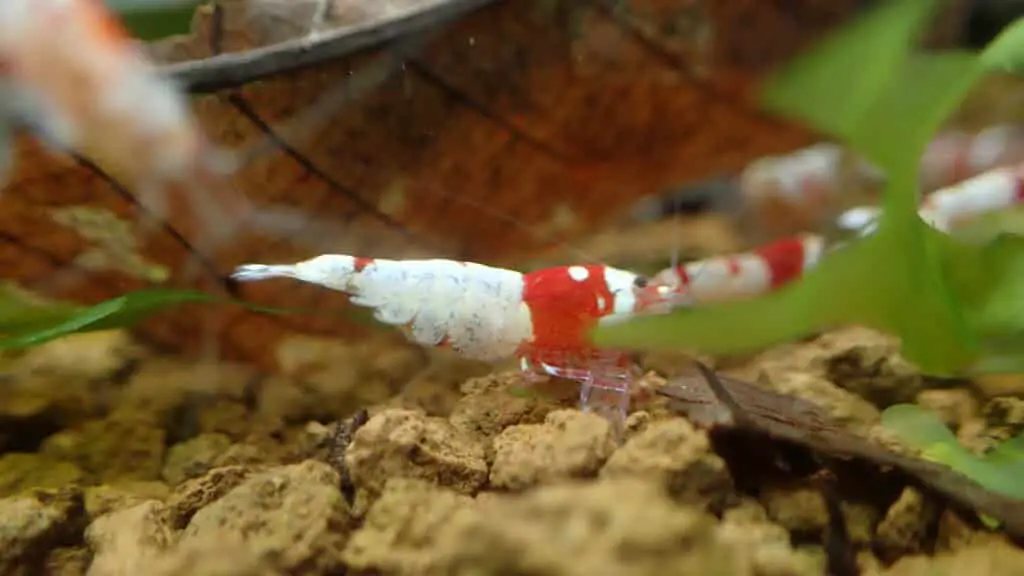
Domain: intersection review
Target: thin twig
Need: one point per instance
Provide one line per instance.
(239, 68)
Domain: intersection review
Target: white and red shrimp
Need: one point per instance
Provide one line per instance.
(734, 276)
(767, 268)
(804, 190)
(952, 207)
(74, 76)
(543, 318)
(956, 155)
(800, 191)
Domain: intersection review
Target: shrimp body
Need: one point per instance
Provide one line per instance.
(950, 208)
(956, 156)
(86, 85)
(73, 75)
(801, 190)
(737, 276)
(775, 264)
(481, 312)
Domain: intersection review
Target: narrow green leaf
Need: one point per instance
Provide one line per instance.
(123, 311)
(988, 281)
(21, 311)
(27, 324)
(898, 124)
(745, 326)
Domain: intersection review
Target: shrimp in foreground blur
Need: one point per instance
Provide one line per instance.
(71, 74)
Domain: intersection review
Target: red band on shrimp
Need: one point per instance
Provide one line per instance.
(785, 260)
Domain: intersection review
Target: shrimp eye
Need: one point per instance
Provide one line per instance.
(640, 282)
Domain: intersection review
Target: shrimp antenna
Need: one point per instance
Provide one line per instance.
(355, 86)
(677, 240)
(497, 214)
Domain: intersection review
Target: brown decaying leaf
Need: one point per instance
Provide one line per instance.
(555, 114)
(787, 419)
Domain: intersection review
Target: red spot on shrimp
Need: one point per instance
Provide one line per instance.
(785, 260)
(734, 267)
(684, 276)
(361, 262)
(1018, 184)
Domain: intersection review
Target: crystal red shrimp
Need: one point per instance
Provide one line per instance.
(735, 276)
(953, 206)
(487, 313)
(801, 191)
(76, 77)
(957, 155)
(771, 266)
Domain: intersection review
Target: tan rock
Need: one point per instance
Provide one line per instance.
(679, 455)
(400, 532)
(128, 541)
(906, 524)
(408, 444)
(570, 444)
(33, 524)
(292, 514)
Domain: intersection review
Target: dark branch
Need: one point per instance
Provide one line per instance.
(239, 68)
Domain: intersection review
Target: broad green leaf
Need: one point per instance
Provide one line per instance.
(893, 281)
(916, 426)
(150, 20)
(1009, 454)
(834, 85)
(998, 471)
(1006, 52)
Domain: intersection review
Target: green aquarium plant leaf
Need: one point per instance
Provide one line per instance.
(833, 86)
(21, 311)
(1006, 52)
(998, 470)
(150, 20)
(25, 323)
(916, 426)
(42, 323)
(933, 292)
(890, 280)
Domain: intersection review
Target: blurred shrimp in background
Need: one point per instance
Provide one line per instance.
(77, 79)
(807, 190)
